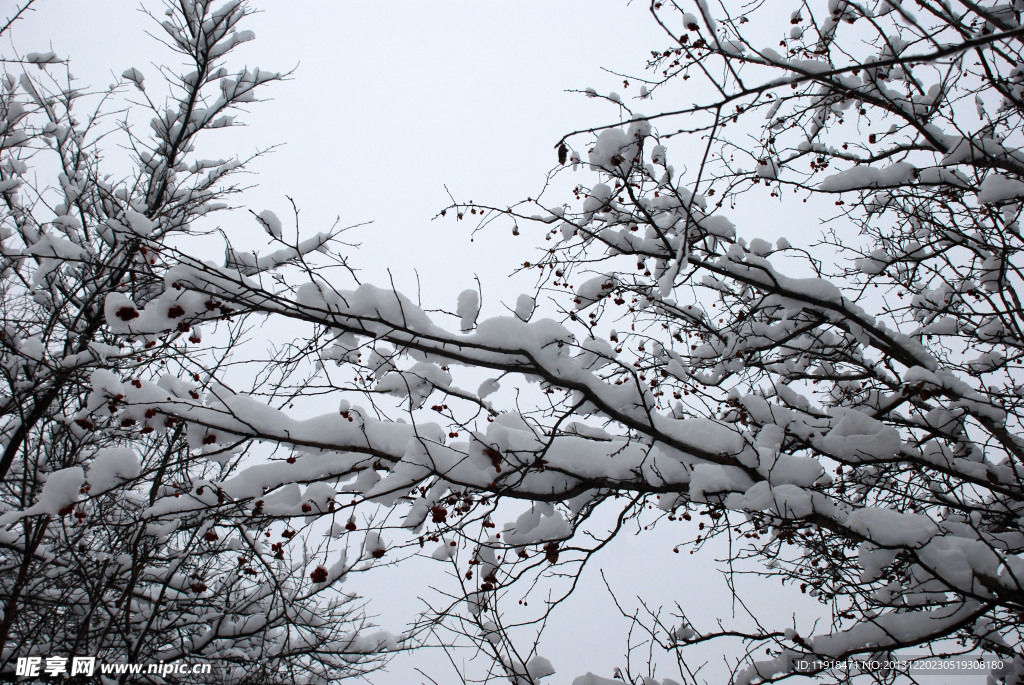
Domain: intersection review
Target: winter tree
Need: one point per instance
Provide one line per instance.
(117, 541)
(842, 415)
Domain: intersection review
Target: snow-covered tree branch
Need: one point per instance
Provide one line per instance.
(117, 542)
(842, 416)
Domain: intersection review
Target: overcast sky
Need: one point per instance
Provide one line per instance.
(389, 103)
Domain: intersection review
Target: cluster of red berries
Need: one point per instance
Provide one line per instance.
(127, 313)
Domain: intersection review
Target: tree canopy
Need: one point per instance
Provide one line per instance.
(843, 416)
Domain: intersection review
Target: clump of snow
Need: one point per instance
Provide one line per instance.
(874, 263)
(444, 551)
(41, 59)
(591, 679)
(888, 528)
(614, 150)
(539, 667)
(468, 309)
(111, 465)
(867, 176)
(139, 223)
(710, 481)
(659, 154)
(488, 387)
(767, 168)
(135, 76)
(373, 545)
(999, 188)
(593, 290)
(525, 305)
(760, 247)
(60, 489)
(541, 523)
(785, 501)
(859, 437)
(417, 382)
(271, 224)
